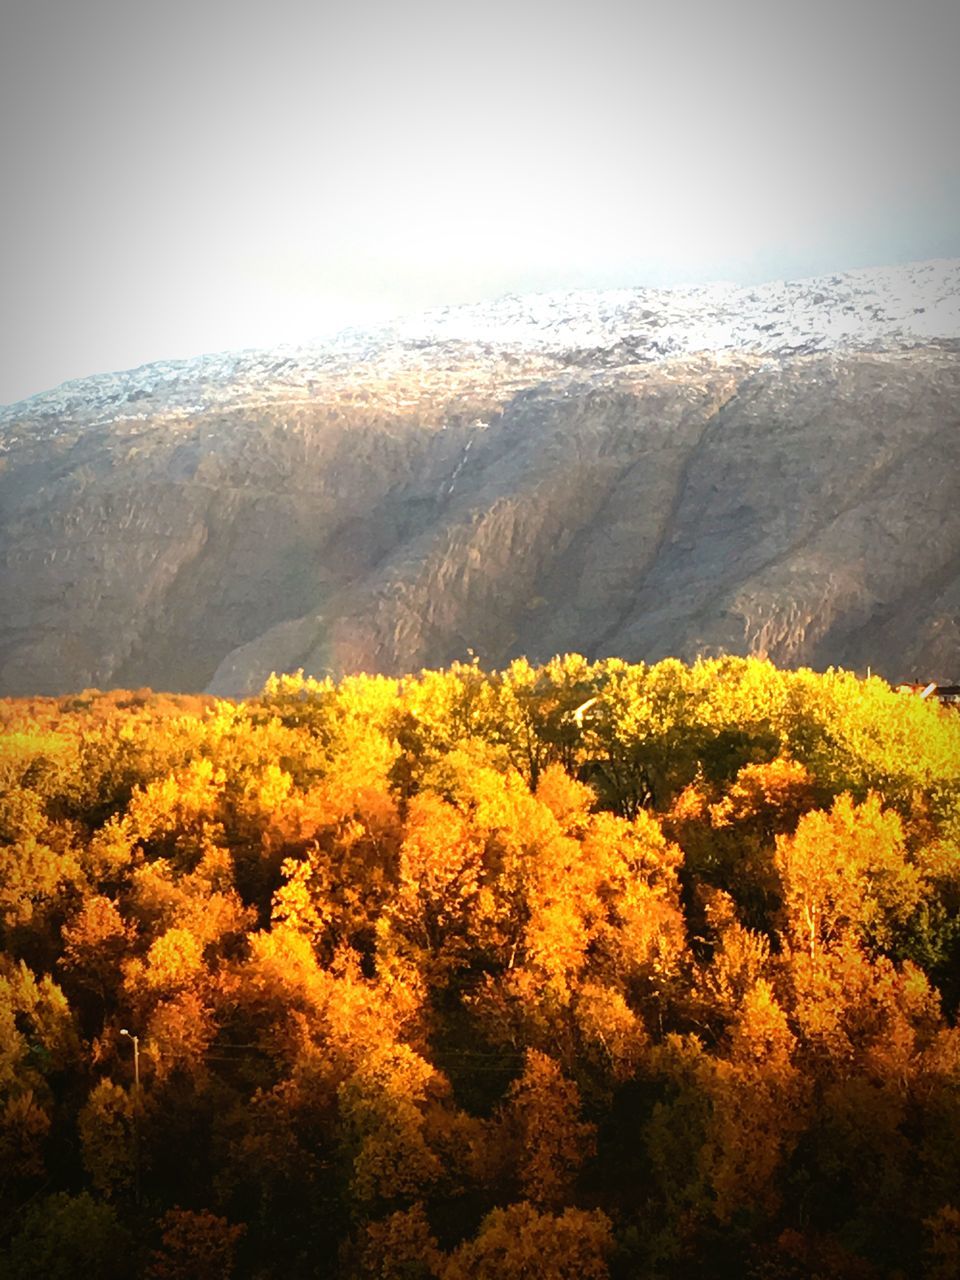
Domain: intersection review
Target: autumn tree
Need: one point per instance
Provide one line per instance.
(194, 1246)
(521, 1241)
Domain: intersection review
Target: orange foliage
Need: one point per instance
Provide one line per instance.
(547, 972)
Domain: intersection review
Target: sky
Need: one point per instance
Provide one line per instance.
(188, 177)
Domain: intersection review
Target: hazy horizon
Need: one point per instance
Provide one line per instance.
(232, 176)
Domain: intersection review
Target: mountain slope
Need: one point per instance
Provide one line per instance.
(641, 472)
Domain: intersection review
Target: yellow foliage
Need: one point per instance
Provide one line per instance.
(846, 868)
(174, 963)
(609, 1026)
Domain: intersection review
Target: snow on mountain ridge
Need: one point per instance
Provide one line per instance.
(912, 303)
(921, 300)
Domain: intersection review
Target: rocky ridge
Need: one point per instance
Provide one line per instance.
(637, 472)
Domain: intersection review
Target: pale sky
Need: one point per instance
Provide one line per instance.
(189, 177)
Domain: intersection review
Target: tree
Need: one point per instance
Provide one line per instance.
(400, 1247)
(107, 1137)
(24, 1127)
(544, 1111)
(63, 1237)
(756, 1108)
(846, 869)
(521, 1242)
(95, 943)
(194, 1246)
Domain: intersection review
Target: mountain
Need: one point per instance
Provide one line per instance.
(638, 472)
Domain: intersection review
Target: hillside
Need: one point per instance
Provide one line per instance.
(636, 473)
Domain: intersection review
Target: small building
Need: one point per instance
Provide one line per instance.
(948, 695)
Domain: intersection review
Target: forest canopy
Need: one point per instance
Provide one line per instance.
(573, 971)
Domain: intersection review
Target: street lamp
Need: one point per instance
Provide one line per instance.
(136, 1111)
(136, 1057)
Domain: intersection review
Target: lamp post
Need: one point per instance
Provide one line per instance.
(136, 1111)
(136, 1058)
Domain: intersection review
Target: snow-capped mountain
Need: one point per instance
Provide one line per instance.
(857, 309)
(636, 471)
